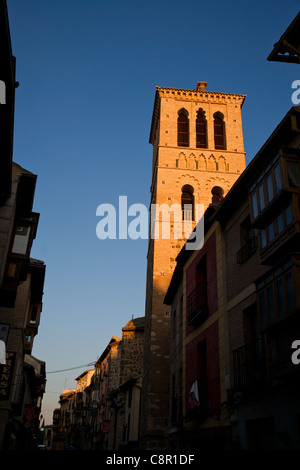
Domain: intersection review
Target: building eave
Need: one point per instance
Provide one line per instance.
(287, 49)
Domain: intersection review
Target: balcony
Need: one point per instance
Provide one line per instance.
(249, 365)
(197, 305)
(247, 250)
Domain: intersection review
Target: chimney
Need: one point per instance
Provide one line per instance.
(201, 86)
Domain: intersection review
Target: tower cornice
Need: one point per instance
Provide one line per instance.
(200, 94)
(210, 96)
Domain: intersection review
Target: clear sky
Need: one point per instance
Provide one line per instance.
(88, 71)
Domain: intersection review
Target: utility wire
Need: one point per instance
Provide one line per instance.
(71, 368)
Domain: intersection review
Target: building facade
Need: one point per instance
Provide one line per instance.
(240, 304)
(126, 398)
(103, 412)
(22, 377)
(263, 316)
(198, 368)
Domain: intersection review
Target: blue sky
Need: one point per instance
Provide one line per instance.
(88, 71)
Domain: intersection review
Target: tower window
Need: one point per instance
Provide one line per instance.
(201, 130)
(217, 194)
(187, 202)
(183, 129)
(219, 132)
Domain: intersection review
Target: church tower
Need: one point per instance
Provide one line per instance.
(198, 153)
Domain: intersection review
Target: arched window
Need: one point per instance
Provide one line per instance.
(219, 132)
(201, 130)
(183, 129)
(217, 194)
(187, 202)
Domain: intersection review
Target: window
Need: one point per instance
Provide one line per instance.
(20, 245)
(183, 129)
(267, 185)
(217, 194)
(278, 179)
(201, 130)
(270, 232)
(270, 187)
(187, 202)
(219, 131)
(261, 196)
(279, 351)
(290, 292)
(34, 312)
(254, 205)
(262, 306)
(198, 298)
(280, 224)
(263, 238)
(276, 226)
(248, 241)
(288, 214)
(28, 336)
(24, 234)
(293, 173)
(276, 294)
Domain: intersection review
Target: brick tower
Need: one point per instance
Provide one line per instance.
(198, 153)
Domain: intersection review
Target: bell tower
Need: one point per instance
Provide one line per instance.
(198, 153)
